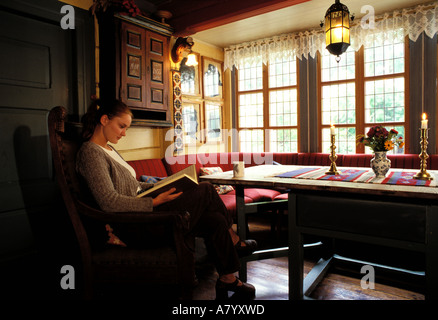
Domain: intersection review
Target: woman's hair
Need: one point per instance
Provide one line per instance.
(96, 110)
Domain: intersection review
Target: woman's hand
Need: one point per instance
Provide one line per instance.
(164, 197)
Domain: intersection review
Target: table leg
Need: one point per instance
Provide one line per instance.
(241, 226)
(296, 262)
(432, 253)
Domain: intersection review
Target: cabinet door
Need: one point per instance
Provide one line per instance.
(157, 71)
(133, 66)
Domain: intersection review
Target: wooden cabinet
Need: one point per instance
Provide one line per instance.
(138, 72)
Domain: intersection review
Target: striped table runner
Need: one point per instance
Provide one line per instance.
(394, 176)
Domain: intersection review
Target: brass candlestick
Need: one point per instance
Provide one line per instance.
(333, 157)
(423, 174)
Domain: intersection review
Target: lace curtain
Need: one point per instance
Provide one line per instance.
(409, 22)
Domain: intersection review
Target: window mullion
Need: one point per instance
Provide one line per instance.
(360, 97)
(407, 93)
(266, 107)
(319, 104)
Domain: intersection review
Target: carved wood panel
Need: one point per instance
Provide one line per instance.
(158, 71)
(144, 68)
(133, 53)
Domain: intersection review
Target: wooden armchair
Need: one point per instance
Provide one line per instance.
(166, 261)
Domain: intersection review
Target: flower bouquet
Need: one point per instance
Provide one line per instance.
(380, 139)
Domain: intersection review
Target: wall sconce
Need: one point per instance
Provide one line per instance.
(181, 46)
(191, 60)
(337, 29)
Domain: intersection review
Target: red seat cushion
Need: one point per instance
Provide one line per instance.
(404, 161)
(286, 158)
(316, 159)
(356, 160)
(401, 161)
(432, 162)
(229, 201)
(148, 167)
(257, 194)
(282, 196)
(175, 164)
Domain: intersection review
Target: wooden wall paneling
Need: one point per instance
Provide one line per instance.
(41, 66)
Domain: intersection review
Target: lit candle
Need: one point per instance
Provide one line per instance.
(332, 130)
(424, 122)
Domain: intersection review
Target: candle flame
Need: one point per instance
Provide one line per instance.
(424, 116)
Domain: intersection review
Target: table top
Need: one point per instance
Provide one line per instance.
(266, 176)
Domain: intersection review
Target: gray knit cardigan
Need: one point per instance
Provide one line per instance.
(112, 185)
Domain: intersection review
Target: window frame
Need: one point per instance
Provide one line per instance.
(201, 100)
(360, 81)
(265, 91)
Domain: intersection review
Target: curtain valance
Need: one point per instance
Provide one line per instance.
(409, 22)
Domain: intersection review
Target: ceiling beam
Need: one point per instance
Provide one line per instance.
(217, 14)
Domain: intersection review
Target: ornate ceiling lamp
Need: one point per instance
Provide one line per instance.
(337, 29)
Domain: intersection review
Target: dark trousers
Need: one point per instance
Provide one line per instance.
(209, 219)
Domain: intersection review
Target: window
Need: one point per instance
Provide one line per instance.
(267, 100)
(212, 79)
(189, 78)
(338, 105)
(365, 88)
(202, 110)
(190, 116)
(213, 121)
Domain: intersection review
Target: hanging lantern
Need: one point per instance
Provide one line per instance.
(337, 29)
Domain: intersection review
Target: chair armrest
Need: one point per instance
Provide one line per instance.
(179, 219)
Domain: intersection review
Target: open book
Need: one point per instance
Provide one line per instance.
(182, 180)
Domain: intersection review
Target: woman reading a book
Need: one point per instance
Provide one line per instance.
(113, 184)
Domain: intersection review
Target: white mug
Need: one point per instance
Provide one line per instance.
(238, 169)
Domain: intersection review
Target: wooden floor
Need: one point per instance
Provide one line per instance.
(25, 280)
(270, 277)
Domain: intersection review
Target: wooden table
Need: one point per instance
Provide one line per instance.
(396, 216)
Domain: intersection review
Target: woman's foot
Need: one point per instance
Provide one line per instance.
(246, 247)
(242, 290)
(243, 248)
